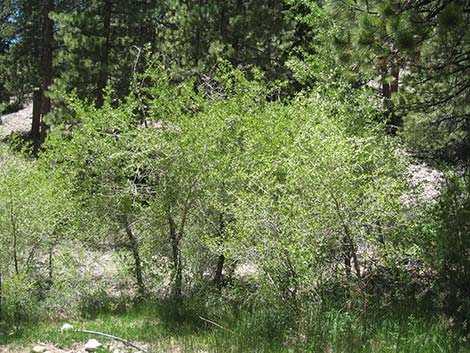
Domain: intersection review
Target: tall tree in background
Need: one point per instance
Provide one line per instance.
(21, 37)
(45, 69)
(5, 42)
(29, 39)
(420, 46)
(436, 102)
(377, 40)
(255, 33)
(101, 41)
(104, 55)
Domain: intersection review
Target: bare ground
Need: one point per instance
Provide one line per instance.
(18, 122)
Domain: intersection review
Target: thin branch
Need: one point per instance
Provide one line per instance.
(359, 9)
(217, 325)
(450, 97)
(115, 338)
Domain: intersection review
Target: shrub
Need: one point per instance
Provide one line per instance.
(19, 304)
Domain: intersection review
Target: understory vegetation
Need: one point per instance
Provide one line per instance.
(229, 204)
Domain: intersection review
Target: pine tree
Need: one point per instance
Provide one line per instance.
(29, 55)
(20, 38)
(437, 101)
(255, 33)
(101, 40)
(377, 40)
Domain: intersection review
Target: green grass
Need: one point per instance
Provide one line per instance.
(165, 326)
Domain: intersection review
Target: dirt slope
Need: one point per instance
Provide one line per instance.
(19, 122)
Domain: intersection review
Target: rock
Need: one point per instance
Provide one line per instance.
(92, 345)
(66, 327)
(39, 349)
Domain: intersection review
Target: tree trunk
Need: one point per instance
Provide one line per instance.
(383, 70)
(15, 236)
(51, 263)
(15, 253)
(288, 279)
(224, 21)
(395, 120)
(218, 279)
(198, 33)
(235, 35)
(134, 247)
(388, 90)
(175, 239)
(46, 64)
(104, 64)
(347, 259)
(36, 124)
(1, 297)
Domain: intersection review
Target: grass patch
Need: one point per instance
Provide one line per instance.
(168, 326)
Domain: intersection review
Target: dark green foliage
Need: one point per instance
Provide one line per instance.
(255, 33)
(19, 38)
(452, 16)
(100, 44)
(439, 87)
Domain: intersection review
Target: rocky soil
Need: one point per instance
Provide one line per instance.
(18, 122)
(115, 347)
